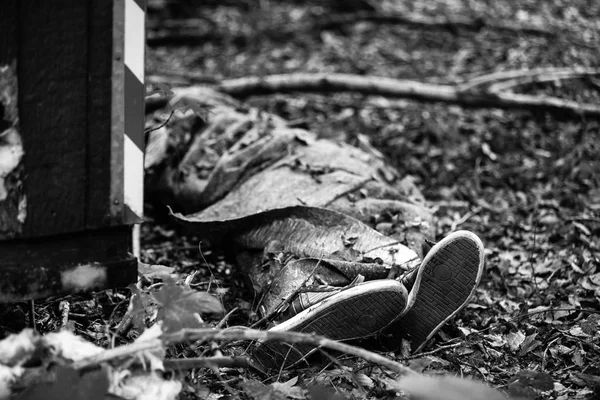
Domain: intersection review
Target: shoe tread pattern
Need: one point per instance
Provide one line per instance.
(439, 300)
(340, 321)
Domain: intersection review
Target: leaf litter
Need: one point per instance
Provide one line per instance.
(524, 182)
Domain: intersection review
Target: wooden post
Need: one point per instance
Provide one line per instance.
(72, 95)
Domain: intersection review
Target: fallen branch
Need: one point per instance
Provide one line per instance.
(481, 92)
(469, 94)
(473, 24)
(209, 334)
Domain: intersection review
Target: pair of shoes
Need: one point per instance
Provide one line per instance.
(413, 308)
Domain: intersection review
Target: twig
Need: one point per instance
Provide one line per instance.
(546, 351)
(165, 122)
(432, 352)
(464, 219)
(223, 321)
(126, 322)
(531, 255)
(114, 310)
(208, 362)
(31, 310)
(208, 334)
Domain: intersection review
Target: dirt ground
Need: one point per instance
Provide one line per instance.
(527, 183)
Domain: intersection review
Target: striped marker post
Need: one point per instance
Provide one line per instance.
(127, 117)
(127, 112)
(133, 158)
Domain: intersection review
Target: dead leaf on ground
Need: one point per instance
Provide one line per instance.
(181, 307)
(446, 388)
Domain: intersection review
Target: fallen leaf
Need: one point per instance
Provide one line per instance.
(365, 381)
(467, 331)
(528, 383)
(529, 344)
(582, 228)
(577, 358)
(289, 389)
(139, 304)
(495, 340)
(324, 393)
(150, 271)
(181, 307)
(70, 384)
(591, 325)
(446, 388)
(577, 331)
(420, 364)
(275, 391)
(591, 282)
(515, 340)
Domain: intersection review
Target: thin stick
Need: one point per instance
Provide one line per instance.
(223, 321)
(164, 123)
(531, 255)
(209, 334)
(31, 310)
(207, 362)
(432, 352)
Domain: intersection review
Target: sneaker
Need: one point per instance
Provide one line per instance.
(439, 289)
(357, 312)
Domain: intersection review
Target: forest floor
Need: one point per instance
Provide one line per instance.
(526, 182)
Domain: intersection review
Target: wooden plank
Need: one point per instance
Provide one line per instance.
(12, 196)
(82, 261)
(53, 105)
(99, 131)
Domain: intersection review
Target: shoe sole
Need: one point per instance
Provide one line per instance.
(358, 312)
(446, 281)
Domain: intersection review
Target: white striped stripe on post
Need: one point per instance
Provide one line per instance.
(133, 146)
